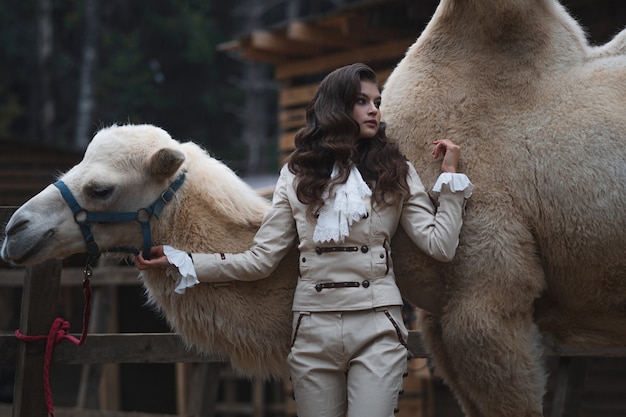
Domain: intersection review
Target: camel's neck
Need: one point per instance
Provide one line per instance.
(518, 28)
(493, 13)
(198, 221)
(492, 9)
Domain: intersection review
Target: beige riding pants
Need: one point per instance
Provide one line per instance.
(348, 363)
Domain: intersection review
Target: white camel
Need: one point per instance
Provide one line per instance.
(541, 119)
(127, 168)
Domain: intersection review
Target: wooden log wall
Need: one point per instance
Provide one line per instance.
(304, 51)
(27, 169)
(377, 33)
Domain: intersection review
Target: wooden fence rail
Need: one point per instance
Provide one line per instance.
(41, 284)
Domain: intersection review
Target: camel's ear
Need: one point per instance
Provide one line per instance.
(165, 162)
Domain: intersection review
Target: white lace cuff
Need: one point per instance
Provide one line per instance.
(456, 182)
(184, 272)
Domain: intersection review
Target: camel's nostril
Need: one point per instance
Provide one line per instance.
(14, 228)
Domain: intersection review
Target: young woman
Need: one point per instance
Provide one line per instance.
(341, 197)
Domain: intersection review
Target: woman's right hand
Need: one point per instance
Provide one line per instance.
(157, 259)
(451, 154)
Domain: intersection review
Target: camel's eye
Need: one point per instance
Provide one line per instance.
(99, 192)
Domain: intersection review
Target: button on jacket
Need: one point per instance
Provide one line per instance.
(351, 275)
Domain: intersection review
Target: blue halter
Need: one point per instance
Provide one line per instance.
(85, 218)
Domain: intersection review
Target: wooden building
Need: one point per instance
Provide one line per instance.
(26, 169)
(304, 48)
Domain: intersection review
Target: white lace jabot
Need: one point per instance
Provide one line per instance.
(341, 209)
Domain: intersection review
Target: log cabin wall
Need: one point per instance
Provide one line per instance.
(302, 51)
(27, 169)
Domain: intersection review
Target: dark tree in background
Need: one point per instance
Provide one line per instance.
(85, 101)
(162, 68)
(18, 66)
(70, 67)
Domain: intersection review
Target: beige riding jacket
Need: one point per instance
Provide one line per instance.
(354, 274)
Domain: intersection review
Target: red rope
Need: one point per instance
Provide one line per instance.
(59, 330)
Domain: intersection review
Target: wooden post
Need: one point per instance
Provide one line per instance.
(570, 384)
(39, 300)
(91, 374)
(258, 397)
(203, 389)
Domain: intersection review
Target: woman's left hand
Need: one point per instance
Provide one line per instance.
(451, 154)
(157, 259)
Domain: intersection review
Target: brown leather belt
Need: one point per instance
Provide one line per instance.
(319, 250)
(321, 286)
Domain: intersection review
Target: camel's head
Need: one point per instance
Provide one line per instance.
(125, 169)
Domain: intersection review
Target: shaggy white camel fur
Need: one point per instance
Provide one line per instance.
(541, 119)
(126, 168)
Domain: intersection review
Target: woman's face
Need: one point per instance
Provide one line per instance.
(366, 110)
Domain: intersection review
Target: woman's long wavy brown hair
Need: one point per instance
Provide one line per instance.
(331, 136)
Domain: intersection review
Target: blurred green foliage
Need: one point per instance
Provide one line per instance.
(156, 63)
